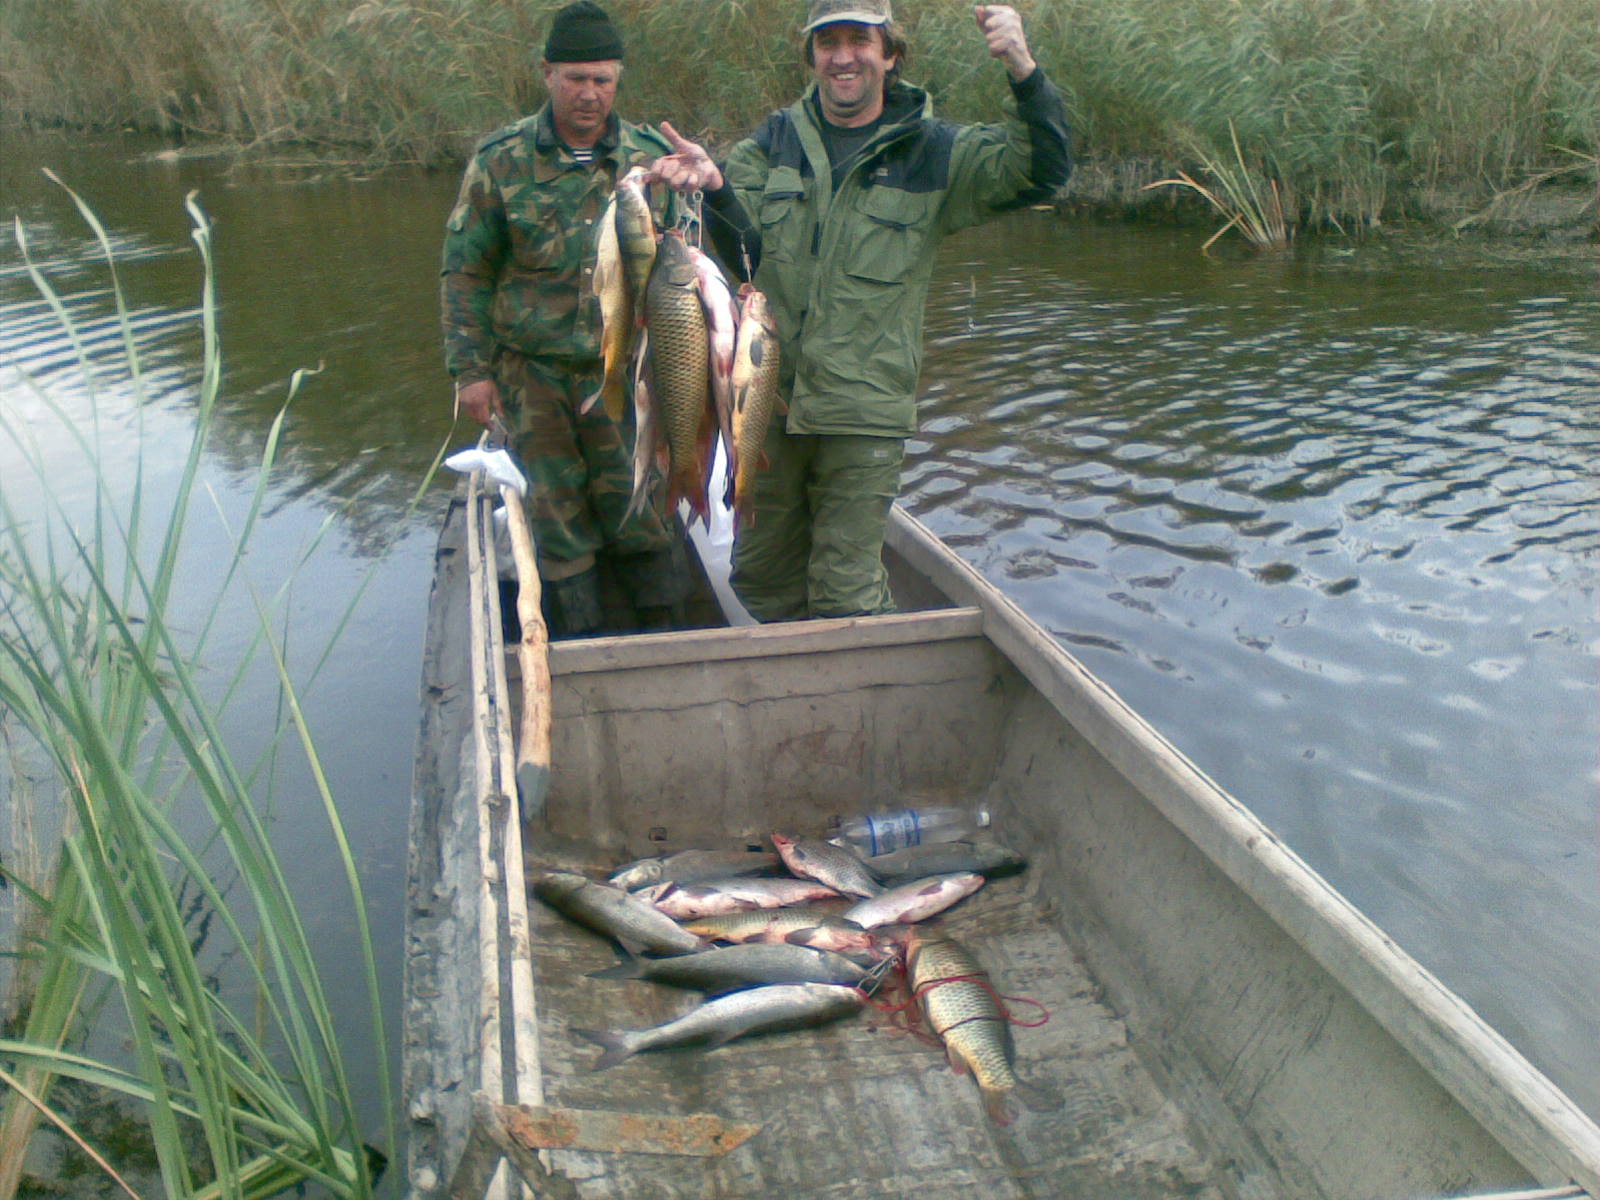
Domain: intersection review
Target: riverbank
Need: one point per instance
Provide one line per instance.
(1361, 113)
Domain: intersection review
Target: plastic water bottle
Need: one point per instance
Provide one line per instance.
(883, 832)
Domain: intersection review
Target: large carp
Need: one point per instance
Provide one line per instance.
(679, 349)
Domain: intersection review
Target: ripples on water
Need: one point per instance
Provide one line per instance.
(1331, 529)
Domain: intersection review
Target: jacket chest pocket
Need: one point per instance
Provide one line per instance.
(783, 215)
(541, 239)
(892, 235)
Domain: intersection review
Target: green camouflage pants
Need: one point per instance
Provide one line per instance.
(814, 547)
(579, 467)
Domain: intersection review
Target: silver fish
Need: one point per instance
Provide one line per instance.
(839, 868)
(795, 926)
(685, 901)
(914, 901)
(693, 866)
(941, 858)
(638, 926)
(754, 1010)
(724, 968)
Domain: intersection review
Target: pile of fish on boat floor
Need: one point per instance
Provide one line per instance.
(772, 953)
(703, 360)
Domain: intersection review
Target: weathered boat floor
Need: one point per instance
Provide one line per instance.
(862, 1108)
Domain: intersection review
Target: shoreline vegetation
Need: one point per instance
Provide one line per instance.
(1341, 116)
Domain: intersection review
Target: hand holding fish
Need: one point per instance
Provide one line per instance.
(688, 168)
(1002, 29)
(480, 401)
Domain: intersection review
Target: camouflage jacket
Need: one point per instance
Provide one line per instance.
(519, 247)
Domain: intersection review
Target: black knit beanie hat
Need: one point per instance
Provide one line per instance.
(582, 32)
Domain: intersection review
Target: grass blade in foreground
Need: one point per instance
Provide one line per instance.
(236, 1107)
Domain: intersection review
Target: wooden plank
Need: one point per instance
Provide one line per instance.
(483, 613)
(533, 658)
(779, 638)
(521, 1076)
(1536, 1122)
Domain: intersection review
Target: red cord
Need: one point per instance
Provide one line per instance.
(910, 1024)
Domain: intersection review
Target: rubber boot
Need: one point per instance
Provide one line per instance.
(572, 605)
(510, 623)
(656, 585)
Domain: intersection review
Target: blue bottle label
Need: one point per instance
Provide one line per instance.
(894, 831)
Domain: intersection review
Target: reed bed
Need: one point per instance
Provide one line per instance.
(1355, 108)
(166, 884)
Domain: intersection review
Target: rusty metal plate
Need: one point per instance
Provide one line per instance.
(703, 1135)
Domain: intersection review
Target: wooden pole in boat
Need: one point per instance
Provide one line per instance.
(533, 656)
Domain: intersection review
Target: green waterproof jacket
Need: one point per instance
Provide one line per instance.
(519, 246)
(847, 273)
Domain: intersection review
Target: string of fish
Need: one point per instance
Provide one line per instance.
(691, 219)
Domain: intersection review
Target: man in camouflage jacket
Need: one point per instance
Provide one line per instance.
(522, 329)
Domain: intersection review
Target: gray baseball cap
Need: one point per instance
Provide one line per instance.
(829, 12)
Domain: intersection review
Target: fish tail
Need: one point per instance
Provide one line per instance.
(1000, 1104)
(614, 394)
(631, 969)
(614, 1045)
(1036, 1097)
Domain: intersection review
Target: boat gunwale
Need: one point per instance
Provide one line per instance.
(1538, 1123)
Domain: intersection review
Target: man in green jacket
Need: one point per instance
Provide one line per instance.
(838, 203)
(522, 329)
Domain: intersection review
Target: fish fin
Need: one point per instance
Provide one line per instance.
(614, 1045)
(721, 1037)
(632, 947)
(616, 399)
(629, 968)
(801, 937)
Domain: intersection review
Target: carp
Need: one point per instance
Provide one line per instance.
(963, 1010)
(680, 374)
(839, 868)
(755, 399)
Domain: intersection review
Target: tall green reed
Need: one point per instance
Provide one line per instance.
(1359, 108)
(105, 686)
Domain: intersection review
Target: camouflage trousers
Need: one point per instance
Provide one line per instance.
(814, 545)
(579, 467)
